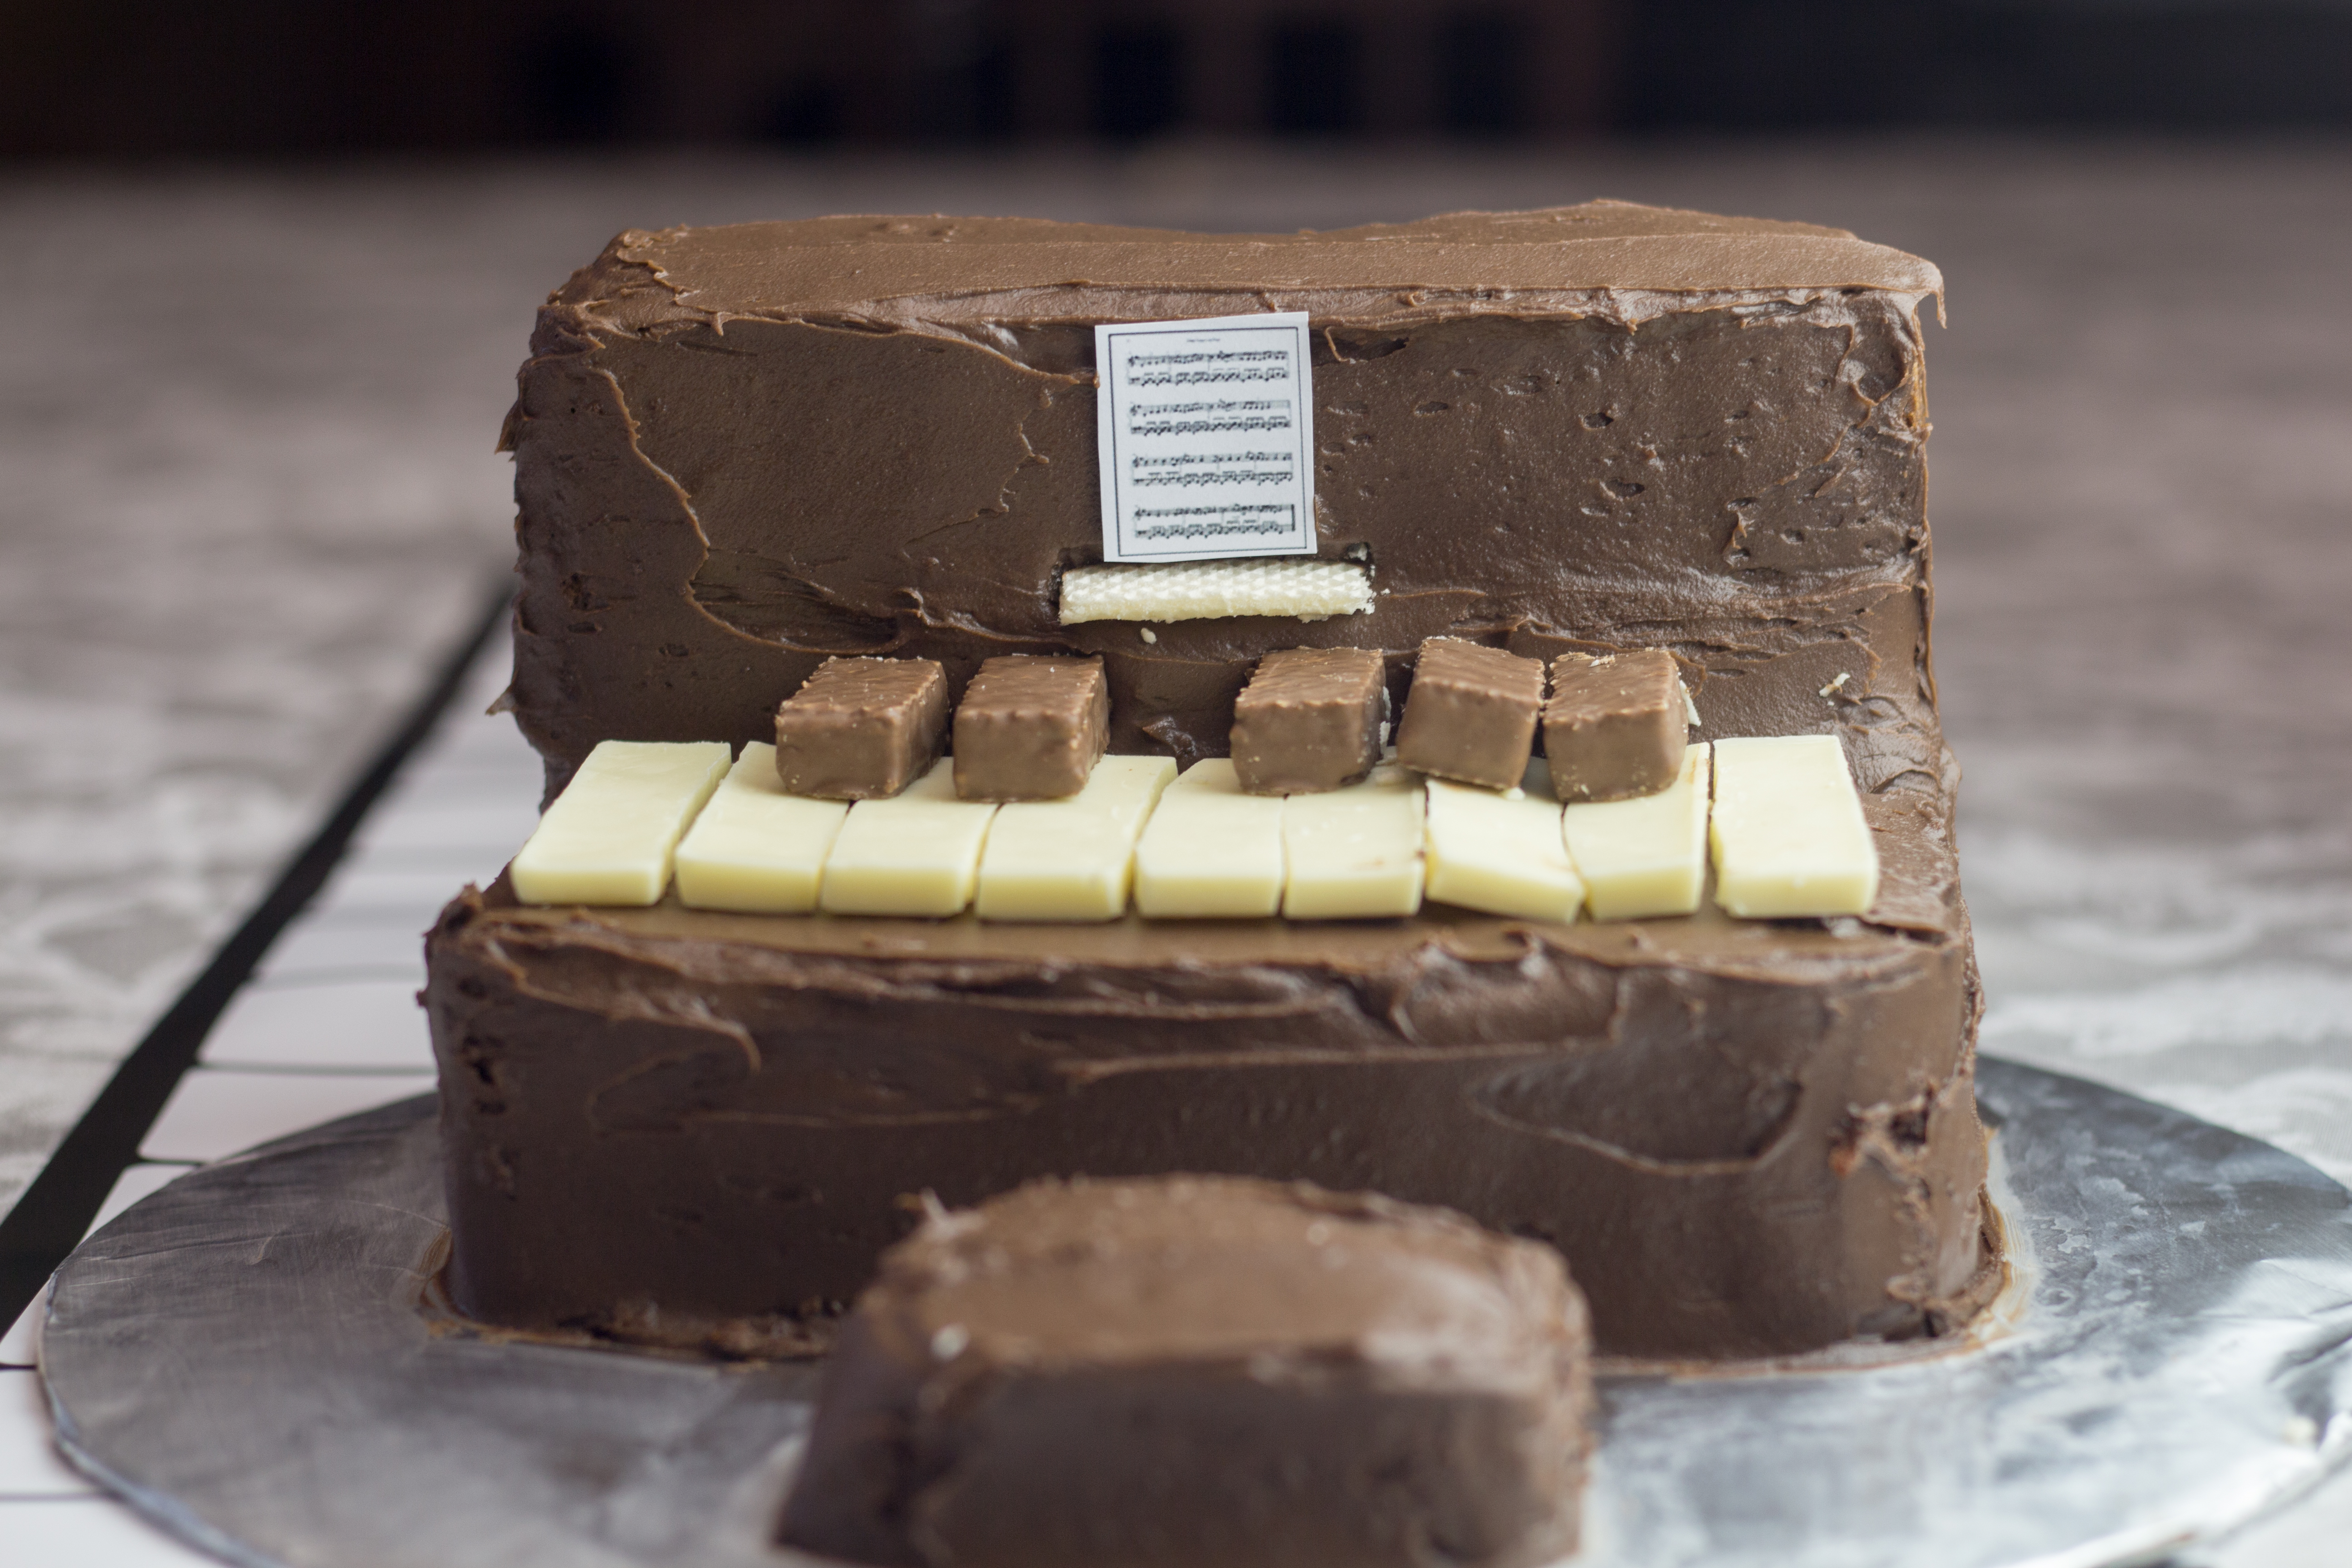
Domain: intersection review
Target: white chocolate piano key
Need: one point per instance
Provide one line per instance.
(1354, 853)
(1788, 829)
(610, 836)
(916, 853)
(1071, 859)
(1498, 855)
(756, 849)
(1211, 851)
(1646, 855)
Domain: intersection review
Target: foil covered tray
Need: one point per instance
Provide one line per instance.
(251, 1359)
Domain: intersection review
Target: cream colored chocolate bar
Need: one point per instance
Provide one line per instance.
(1354, 852)
(1203, 590)
(1074, 858)
(1646, 855)
(1499, 855)
(610, 836)
(1788, 829)
(916, 853)
(1211, 851)
(756, 849)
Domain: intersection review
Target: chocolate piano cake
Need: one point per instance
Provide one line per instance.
(742, 451)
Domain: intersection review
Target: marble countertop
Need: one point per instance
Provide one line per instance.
(247, 424)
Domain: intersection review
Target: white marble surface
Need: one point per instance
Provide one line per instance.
(249, 499)
(246, 422)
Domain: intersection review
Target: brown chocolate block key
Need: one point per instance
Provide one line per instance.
(1471, 714)
(861, 729)
(1616, 725)
(1309, 720)
(1030, 727)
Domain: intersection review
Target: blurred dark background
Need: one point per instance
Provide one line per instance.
(111, 78)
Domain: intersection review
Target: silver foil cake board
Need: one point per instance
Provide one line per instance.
(249, 1358)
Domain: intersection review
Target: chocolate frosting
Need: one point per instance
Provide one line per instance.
(1594, 427)
(852, 262)
(1299, 1379)
(1748, 1138)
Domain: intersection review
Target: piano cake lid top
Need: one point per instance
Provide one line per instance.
(840, 263)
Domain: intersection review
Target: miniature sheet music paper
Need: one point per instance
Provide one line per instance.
(1207, 438)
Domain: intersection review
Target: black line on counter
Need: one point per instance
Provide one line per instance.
(51, 1218)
